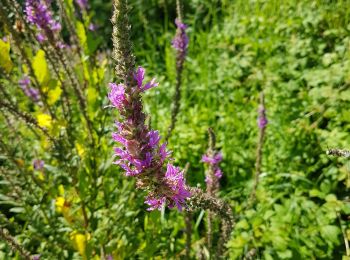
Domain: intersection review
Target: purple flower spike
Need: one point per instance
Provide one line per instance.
(32, 93)
(39, 14)
(141, 154)
(214, 174)
(262, 120)
(180, 42)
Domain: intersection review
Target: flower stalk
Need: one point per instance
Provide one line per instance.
(212, 158)
(262, 123)
(14, 245)
(180, 44)
(140, 153)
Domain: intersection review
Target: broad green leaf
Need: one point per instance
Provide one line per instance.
(330, 233)
(5, 59)
(92, 42)
(41, 68)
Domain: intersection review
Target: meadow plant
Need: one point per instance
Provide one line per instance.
(213, 174)
(262, 123)
(180, 44)
(141, 154)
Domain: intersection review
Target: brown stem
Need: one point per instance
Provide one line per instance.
(14, 245)
(26, 118)
(259, 152)
(201, 200)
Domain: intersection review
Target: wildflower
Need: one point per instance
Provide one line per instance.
(32, 93)
(38, 164)
(180, 42)
(83, 4)
(215, 159)
(38, 13)
(92, 27)
(141, 155)
(215, 173)
(262, 120)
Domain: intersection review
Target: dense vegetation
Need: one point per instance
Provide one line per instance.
(79, 205)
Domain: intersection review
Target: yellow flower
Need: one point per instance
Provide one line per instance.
(80, 149)
(79, 242)
(44, 120)
(63, 206)
(59, 204)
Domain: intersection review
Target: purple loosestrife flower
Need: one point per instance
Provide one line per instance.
(109, 257)
(38, 164)
(32, 93)
(92, 27)
(262, 120)
(214, 174)
(83, 4)
(38, 13)
(141, 155)
(180, 42)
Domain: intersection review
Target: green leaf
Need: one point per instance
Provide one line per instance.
(92, 42)
(5, 59)
(17, 210)
(41, 69)
(330, 233)
(82, 35)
